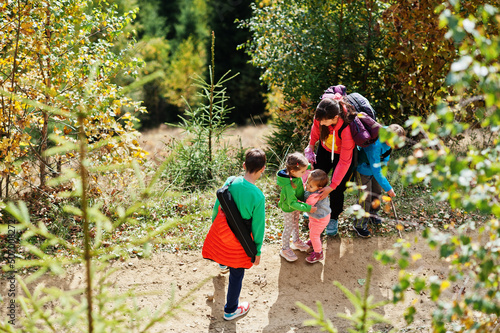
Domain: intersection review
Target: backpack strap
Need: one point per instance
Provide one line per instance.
(339, 132)
(384, 155)
(240, 227)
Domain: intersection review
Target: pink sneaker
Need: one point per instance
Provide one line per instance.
(314, 257)
(309, 243)
(289, 255)
(299, 245)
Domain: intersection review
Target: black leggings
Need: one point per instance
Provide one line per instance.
(324, 162)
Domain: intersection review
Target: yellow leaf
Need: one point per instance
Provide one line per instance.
(445, 285)
(387, 208)
(399, 227)
(416, 256)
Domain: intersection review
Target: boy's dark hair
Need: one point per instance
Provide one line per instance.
(255, 159)
(319, 177)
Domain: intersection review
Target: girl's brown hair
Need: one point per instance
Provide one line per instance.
(295, 162)
(318, 177)
(329, 108)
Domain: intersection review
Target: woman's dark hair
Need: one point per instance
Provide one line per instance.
(255, 159)
(329, 108)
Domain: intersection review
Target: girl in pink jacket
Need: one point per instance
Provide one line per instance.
(335, 151)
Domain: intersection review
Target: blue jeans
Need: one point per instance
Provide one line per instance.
(234, 289)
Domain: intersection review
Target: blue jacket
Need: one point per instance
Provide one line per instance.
(369, 164)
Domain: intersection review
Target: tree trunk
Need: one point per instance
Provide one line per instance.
(44, 133)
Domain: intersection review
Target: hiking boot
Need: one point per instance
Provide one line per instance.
(299, 245)
(332, 228)
(362, 232)
(289, 255)
(242, 309)
(375, 220)
(314, 257)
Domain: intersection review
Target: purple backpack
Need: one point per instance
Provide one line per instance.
(364, 127)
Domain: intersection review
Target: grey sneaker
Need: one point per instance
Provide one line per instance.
(332, 228)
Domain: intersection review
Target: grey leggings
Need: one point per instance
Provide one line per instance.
(290, 228)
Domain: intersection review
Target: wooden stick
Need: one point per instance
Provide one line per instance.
(397, 220)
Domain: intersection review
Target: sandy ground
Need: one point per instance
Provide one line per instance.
(272, 288)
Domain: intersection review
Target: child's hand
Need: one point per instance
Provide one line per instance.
(313, 209)
(391, 193)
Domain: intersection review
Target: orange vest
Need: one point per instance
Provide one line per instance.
(222, 246)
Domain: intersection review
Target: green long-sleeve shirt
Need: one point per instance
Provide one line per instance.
(251, 203)
(290, 198)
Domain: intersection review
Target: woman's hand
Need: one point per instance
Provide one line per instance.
(257, 261)
(391, 193)
(325, 191)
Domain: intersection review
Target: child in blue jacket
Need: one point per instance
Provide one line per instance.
(370, 162)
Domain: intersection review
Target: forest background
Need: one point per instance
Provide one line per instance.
(79, 79)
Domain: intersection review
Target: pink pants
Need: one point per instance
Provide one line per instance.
(316, 227)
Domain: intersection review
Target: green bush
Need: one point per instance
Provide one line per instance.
(203, 159)
(466, 181)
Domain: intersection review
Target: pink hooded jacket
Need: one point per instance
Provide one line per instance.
(343, 146)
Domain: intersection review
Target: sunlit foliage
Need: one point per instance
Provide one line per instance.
(60, 54)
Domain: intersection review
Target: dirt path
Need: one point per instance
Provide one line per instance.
(272, 288)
